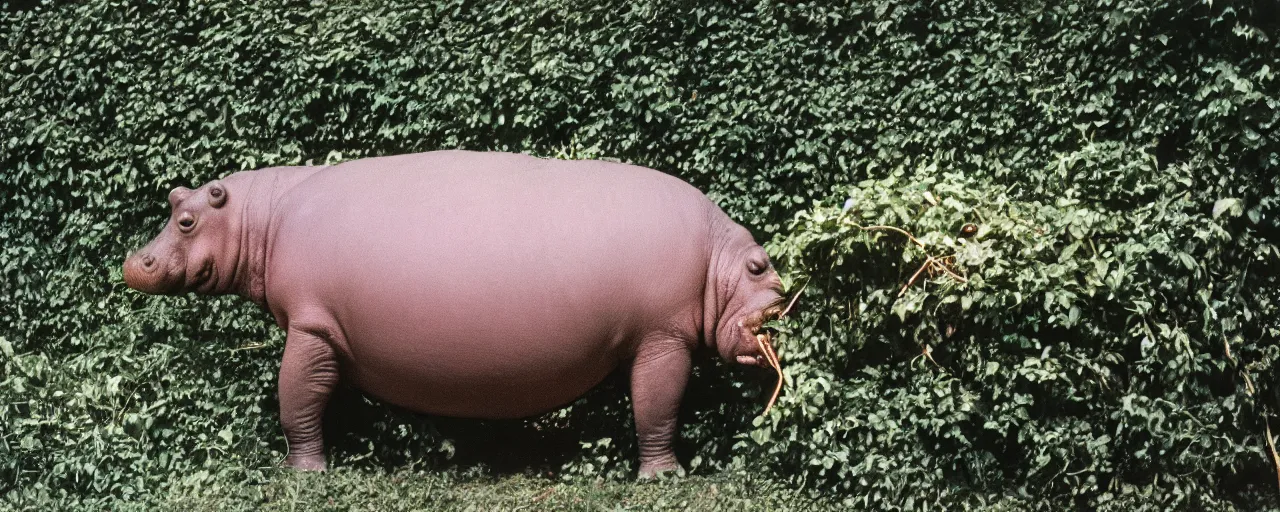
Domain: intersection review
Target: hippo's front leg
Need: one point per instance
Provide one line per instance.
(308, 375)
(658, 377)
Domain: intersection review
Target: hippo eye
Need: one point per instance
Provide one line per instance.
(757, 267)
(217, 195)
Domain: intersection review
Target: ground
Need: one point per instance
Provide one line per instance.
(406, 490)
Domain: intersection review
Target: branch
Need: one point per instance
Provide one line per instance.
(1271, 444)
(890, 228)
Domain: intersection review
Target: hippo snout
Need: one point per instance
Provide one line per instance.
(142, 272)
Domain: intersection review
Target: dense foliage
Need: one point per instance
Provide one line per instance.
(1104, 335)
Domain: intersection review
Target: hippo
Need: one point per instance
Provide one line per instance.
(474, 284)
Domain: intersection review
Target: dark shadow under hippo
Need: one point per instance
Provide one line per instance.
(471, 284)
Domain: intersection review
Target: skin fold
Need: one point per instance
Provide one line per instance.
(473, 284)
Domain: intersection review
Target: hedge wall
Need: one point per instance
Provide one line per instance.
(1103, 336)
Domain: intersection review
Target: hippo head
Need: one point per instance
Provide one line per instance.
(198, 249)
(748, 293)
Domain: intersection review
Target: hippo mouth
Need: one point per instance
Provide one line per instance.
(205, 280)
(754, 328)
(755, 331)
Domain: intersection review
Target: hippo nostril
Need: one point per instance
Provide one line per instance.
(148, 261)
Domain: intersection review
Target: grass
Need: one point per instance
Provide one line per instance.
(410, 490)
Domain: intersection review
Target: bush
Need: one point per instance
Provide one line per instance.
(1106, 340)
(1078, 350)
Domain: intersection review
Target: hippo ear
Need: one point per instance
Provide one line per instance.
(217, 195)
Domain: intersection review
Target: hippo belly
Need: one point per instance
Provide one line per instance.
(460, 287)
(449, 343)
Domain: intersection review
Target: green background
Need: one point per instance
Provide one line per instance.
(1107, 339)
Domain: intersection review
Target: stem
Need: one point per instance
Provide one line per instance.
(890, 228)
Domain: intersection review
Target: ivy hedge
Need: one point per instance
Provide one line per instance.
(1037, 242)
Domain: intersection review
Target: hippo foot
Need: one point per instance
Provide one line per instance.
(305, 462)
(655, 469)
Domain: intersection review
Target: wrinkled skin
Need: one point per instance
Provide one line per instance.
(482, 285)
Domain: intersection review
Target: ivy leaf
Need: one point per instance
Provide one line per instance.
(1229, 205)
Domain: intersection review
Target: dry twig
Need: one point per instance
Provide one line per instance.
(911, 281)
(1271, 444)
(772, 357)
(794, 299)
(896, 230)
(545, 494)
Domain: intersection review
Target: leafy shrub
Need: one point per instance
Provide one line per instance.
(1111, 342)
(1076, 349)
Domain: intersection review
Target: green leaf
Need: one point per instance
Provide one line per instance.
(1229, 205)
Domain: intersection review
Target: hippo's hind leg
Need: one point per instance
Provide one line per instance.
(308, 375)
(658, 377)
